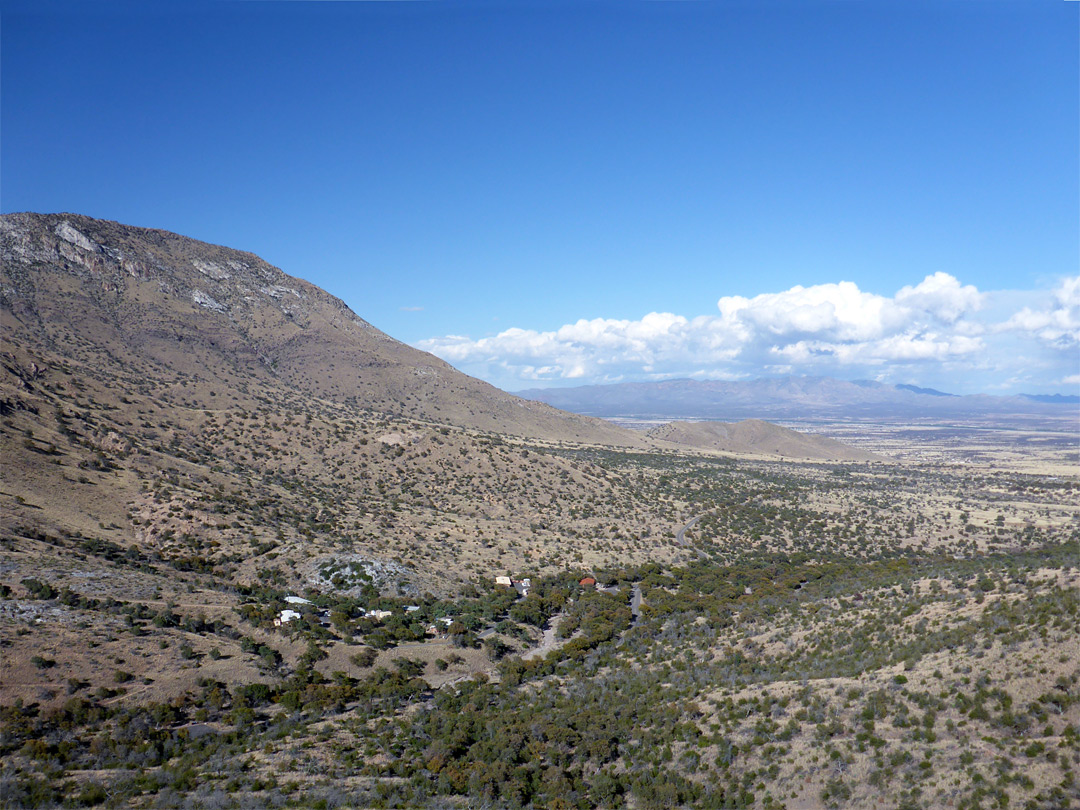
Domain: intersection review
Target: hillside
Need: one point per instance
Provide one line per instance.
(198, 404)
(845, 637)
(755, 437)
(198, 322)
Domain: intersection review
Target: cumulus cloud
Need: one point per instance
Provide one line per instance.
(822, 329)
(840, 312)
(602, 347)
(1056, 322)
(841, 321)
(941, 296)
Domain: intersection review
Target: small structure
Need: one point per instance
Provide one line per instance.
(411, 608)
(506, 582)
(587, 582)
(439, 627)
(285, 617)
(297, 600)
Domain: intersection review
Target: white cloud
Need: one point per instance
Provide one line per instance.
(903, 348)
(832, 311)
(844, 314)
(938, 325)
(1056, 321)
(941, 296)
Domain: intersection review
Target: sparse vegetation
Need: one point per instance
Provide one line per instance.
(750, 633)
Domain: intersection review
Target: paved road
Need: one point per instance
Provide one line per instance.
(680, 537)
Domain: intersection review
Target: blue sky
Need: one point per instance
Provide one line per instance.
(566, 193)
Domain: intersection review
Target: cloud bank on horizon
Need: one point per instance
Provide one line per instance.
(936, 333)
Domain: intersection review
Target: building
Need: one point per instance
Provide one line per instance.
(285, 617)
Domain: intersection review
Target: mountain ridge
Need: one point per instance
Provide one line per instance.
(199, 405)
(139, 291)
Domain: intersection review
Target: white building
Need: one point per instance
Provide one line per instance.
(285, 617)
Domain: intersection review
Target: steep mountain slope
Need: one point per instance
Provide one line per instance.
(196, 404)
(759, 438)
(182, 313)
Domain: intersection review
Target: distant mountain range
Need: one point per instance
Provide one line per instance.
(799, 398)
(1053, 399)
(933, 392)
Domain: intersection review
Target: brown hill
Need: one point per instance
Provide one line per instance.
(753, 436)
(178, 311)
(203, 407)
